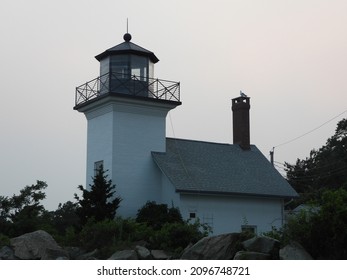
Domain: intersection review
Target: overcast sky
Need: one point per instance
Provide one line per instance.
(288, 56)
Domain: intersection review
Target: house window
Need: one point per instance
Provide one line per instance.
(98, 165)
(192, 215)
(249, 228)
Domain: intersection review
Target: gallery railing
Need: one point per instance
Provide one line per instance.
(117, 83)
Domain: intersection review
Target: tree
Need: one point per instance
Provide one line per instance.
(324, 168)
(66, 216)
(22, 213)
(100, 202)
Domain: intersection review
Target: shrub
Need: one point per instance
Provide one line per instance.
(321, 230)
(4, 240)
(156, 215)
(69, 238)
(175, 237)
(131, 231)
(274, 233)
(103, 235)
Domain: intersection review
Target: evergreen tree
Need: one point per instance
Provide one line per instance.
(100, 202)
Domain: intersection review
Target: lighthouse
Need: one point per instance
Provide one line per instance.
(126, 109)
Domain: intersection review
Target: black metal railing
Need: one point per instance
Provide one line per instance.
(127, 85)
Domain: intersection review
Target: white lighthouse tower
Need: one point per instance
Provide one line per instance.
(126, 111)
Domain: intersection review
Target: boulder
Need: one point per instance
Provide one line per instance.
(54, 254)
(246, 255)
(6, 253)
(143, 253)
(124, 255)
(74, 252)
(88, 256)
(37, 245)
(220, 247)
(294, 251)
(263, 244)
(160, 255)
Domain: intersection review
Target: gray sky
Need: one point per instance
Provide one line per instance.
(288, 56)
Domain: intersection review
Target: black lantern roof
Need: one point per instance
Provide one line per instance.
(128, 47)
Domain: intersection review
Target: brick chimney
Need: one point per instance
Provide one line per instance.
(241, 132)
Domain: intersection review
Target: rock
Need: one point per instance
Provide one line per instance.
(294, 251)
(37, 245)
(62, 258)
(143, 253)
(74, 252)
(160, 255)
(124, 255)
(6, 253)
(263, 244)
(88, 256)
(54, 254)
(220, 247)
(142, 243)
(246, 255)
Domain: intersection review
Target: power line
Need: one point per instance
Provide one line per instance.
(317, 164)
(296, 138)
(323, 175)
(272, 151)
(335, 167)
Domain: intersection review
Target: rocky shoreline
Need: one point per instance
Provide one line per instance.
(39, 245)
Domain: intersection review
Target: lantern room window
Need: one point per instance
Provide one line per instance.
(127, 65)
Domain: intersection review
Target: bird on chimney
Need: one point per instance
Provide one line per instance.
(242, 94)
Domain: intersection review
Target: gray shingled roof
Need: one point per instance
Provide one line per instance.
(204, 167)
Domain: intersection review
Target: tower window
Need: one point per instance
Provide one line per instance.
(98, 165)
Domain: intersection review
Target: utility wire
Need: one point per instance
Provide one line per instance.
(318, 172)
(272, 151)
(318, 166)
(296, 138)
(334, 172)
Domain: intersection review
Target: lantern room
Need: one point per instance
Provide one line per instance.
(126, 69)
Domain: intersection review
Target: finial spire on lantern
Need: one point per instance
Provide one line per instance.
(127, 36)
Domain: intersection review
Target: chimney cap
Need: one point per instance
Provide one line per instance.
(241, 102)
(243, 99)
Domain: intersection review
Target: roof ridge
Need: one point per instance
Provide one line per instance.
(203, 141)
